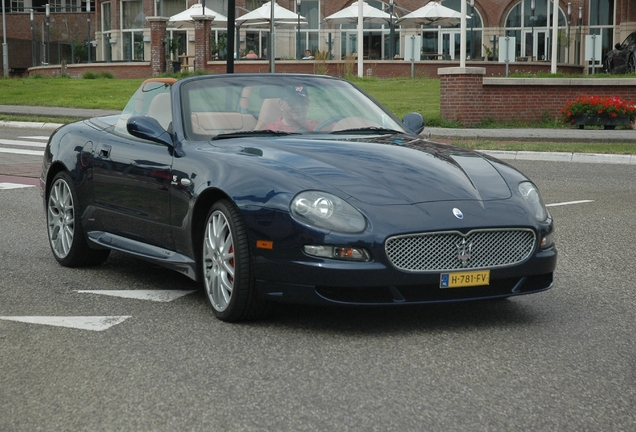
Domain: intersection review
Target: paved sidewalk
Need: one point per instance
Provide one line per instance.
(54, 111)
(29, 167)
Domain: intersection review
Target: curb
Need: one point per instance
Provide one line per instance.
(563, 157)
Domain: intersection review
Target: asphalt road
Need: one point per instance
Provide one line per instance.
(561, 360)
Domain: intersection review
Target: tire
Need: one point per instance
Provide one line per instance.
(631, 64)
(64, 228)
(227, 267)
(607, 67)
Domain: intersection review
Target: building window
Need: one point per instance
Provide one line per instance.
(173, 7)
(106, 31)
(444, 42)
(15, 6)
(132, 23)
(533, 31)
(310, 33)
(602, 23)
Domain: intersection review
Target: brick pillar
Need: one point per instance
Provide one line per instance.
(461, 94)
(202, 41)
(158, 44)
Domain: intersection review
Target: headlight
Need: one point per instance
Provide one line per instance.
(531, 195)
(324, 210)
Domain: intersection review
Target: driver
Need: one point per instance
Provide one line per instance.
(294, 106)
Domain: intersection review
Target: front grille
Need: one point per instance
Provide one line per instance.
(452, 250)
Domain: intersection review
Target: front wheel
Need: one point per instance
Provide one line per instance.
(66, 236)
(607, 66)
(228, 276)
(631, 64)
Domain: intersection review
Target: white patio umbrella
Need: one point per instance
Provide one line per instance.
(184, 18)
(433, 13)
(349, 15)
(262, 15)
(359, 13)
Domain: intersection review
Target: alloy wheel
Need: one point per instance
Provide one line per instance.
(61, 218)
(218, 261)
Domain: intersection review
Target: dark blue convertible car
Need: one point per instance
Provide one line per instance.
(292, 188)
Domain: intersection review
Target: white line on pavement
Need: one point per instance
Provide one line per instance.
(153, 295)
(95, 323)
(569, 203)
(22, 143)
(24, 152)
(4, 186)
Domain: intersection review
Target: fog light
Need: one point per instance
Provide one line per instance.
(337, 252)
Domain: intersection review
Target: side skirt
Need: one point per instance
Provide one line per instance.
(164, 257)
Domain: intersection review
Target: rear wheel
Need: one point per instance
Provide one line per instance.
(228, 276)
(65, 232)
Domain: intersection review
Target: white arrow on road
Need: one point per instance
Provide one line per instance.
(153, 295)
(95, 323)
(13, 186)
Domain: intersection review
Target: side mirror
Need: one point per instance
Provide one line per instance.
(413, 122)
(148, 128)
(618, 46)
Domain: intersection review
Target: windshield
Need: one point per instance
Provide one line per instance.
(151, 99)
(245, 104)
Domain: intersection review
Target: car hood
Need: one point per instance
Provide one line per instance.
(388, 170)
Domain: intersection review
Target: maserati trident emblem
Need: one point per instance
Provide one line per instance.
(464, 252)
(458, 213)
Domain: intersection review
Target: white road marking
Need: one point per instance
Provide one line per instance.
(153, 295)
(22, 143)
(569, 203)
(36, 137)
(24, 152)
(95, 323)
(4, 186)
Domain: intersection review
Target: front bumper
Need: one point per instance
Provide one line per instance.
(378, 285)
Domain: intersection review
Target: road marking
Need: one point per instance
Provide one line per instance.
(37, 137)
(24, 152)
(153, 295)
(5, 186)
(94, 323)
(569, 203)
(22, 143)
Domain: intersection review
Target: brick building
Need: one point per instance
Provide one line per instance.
(120, 30)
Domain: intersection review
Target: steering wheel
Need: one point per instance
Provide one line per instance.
(330, 121)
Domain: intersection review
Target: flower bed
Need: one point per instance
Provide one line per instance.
(605, 111)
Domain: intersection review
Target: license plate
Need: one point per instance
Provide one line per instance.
(464, 279)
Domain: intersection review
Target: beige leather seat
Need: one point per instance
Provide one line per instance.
(270, 112)
(160, 109)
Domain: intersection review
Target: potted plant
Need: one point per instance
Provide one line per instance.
(173, 47)
(218, 49)
(605, 111)
(490, 53)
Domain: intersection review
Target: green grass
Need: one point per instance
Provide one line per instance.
(399, 95)
(68, 93)
(404, 95)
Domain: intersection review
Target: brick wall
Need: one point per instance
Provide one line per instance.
(470, 98)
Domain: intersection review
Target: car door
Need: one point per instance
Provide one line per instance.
(132, 181)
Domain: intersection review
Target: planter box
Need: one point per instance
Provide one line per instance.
(582, 120)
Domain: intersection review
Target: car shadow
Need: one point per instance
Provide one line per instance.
(364, 320)
(381, 320)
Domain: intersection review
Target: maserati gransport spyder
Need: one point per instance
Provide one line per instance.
(292, 188)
